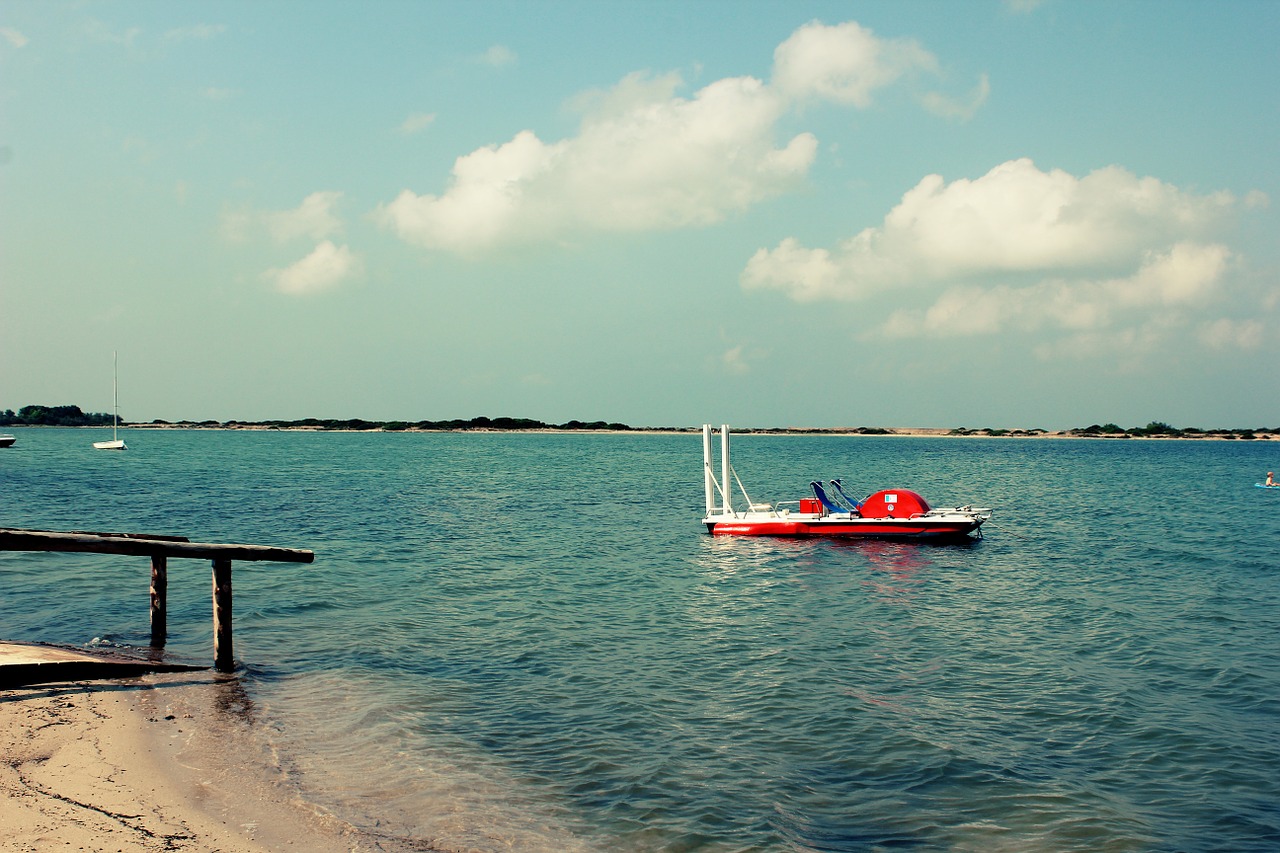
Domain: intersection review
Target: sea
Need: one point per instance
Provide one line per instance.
(528, 642)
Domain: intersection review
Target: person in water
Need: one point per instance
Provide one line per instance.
(1270, 481)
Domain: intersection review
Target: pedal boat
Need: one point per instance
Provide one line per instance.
(887, 514)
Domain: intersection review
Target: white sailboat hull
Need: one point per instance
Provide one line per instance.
(114, 444)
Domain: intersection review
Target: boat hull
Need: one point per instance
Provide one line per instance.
(116, 444)
(853, 528)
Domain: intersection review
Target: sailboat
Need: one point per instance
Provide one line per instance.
(116, 443)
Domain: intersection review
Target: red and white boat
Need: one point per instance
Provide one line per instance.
(886, 514)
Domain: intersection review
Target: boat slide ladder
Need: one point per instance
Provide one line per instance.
(727, 507)
(722, 486)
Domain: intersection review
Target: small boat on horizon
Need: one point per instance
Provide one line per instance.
(116, 443)
(887, 514)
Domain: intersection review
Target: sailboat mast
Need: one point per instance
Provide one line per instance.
(115, 393)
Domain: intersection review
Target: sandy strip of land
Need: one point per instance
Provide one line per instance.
(162, 762)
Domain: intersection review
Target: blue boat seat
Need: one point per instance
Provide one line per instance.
(827, 504)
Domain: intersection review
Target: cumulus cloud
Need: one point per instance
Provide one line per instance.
(1028, 250)
(734, 361)
(647, 158)
(642, 160)
(961, 109)
(1016, 218)
(1186, 276)
(844, 63)
(315, 218)
(323, 269)
(1226, 333)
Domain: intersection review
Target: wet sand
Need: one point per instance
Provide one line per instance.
(156, 763)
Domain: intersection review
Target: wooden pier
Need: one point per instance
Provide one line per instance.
(160, 549)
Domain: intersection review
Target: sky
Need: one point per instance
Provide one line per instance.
(975, 214)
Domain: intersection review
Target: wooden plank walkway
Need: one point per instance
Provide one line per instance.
(160, 549)
(23, 664)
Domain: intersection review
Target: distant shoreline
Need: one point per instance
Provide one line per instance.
(890, 432)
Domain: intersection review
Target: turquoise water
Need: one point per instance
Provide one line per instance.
(528, 642)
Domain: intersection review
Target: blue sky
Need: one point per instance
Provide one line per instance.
(1018, 214)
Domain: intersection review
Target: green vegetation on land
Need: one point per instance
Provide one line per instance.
(1162, 430)
(72, 416)
(53, 416)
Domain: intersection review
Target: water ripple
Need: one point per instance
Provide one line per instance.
(491, 653)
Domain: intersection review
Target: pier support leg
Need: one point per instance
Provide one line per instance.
(159, 601)
(223, 656)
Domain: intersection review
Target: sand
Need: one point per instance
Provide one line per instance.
(165, 762)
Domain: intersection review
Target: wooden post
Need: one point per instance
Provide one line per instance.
(159, 600)
(159, 549)
(223, 656)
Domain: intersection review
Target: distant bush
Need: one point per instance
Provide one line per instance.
(67, 416)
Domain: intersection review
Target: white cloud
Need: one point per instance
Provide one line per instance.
(13, 37)
(643, 160)
(1171, 283)
(498, 56)
(844, 63)
(734, 361)
(1014, 219)
(417, 123)
(487, 195)
(324, 268)
(313, 219)
(1109, 257)
(646, 158)
(963, 110)
(1226, 334)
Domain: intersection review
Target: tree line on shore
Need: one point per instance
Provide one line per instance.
(72, 416)
(1155, 429)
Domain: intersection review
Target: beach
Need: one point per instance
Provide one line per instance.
(160, 762)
